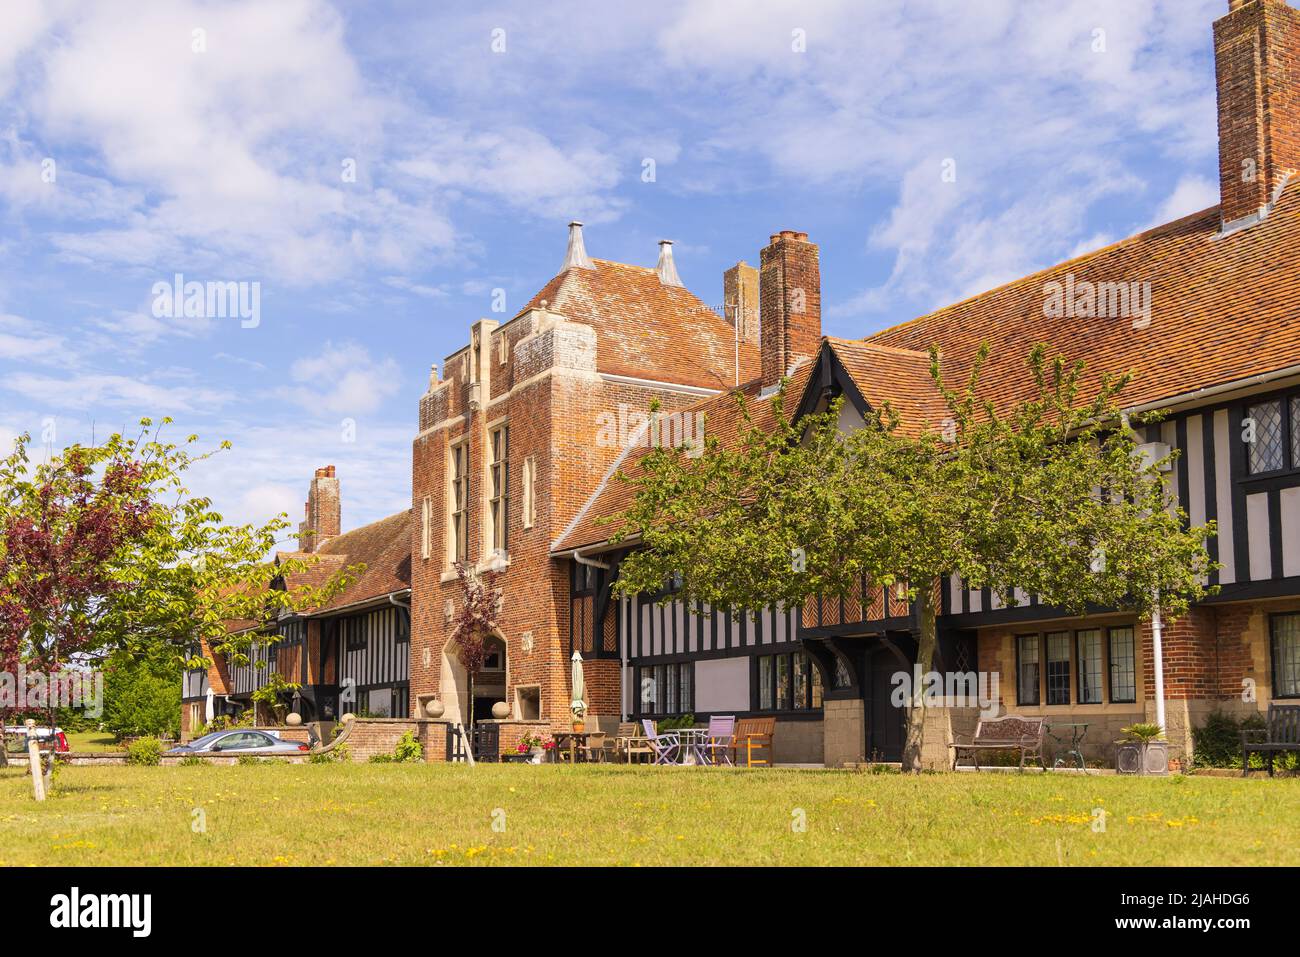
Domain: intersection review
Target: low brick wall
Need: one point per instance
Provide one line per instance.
(371, 736)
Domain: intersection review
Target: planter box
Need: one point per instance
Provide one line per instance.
(1143, 758)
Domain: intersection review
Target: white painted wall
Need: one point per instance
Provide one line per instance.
(722, 684)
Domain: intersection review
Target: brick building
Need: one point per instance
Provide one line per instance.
(520, 436)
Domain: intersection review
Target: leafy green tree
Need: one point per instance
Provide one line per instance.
(141, 698)
(1048, 495)
(104, 550)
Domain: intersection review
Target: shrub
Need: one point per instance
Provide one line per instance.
(249, 759)
(191, 760)
(408, 749)
(1217, 743)
(673, 724)
(323, 757)
(144, 751)
(140, 698)
(381, 759)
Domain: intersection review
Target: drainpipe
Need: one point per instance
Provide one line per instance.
(1157, 626)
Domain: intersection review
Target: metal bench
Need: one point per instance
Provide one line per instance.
(1280, 734)
(1009, 733)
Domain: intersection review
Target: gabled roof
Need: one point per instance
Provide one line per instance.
(900, 377)
(721, 420)
(648, 330)
(384, 547)
(1224, 308)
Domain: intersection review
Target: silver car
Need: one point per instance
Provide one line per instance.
(240, 742)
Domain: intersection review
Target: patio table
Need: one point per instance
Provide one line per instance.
(693, 741)
(1071, 748)
(570, 741)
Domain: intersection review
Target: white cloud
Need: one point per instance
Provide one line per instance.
(135, 397)
(343, 379)
(1192, 194)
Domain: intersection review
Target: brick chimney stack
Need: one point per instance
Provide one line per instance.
(790, 303)
(1257, 63)
(740, 300)
(324, 511)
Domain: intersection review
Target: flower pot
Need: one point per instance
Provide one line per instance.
(536, 755)
(1142, 757)
(579, 727)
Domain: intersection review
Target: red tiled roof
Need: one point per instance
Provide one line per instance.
(647, 330)
(1223, 309)
(900, 377)
(384, 547)
(721, 420)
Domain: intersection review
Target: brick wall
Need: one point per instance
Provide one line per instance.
(572, 422)
(371, 736)
(1257, 62)
(790, 304)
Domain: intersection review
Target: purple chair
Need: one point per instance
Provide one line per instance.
(665, 745)
(717, 740)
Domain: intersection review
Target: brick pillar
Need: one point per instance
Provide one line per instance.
(790, 303)
(323, 511)
(740, 300)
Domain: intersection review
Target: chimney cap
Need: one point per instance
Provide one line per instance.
(666, 268)
(575, 257)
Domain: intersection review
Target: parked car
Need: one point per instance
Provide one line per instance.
(16, 738)
(243, 742)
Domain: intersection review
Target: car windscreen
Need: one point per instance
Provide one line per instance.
(206, 739)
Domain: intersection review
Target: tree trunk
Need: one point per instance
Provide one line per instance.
(925, 658)
(4, 745)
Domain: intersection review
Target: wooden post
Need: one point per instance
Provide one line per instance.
(34, 761)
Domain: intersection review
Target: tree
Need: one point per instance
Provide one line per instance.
(1048, 496)
(140, 698)
(104, 550)
(475, 622)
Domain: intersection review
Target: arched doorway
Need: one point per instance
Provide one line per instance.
(490, 683)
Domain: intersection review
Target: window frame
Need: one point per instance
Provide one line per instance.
(1110, 662)
(458, 495)
(1273, 619)
(1288, 401)
(498, 476)
(1079, 634)
(1037, 700)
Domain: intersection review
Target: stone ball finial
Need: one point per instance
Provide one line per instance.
(349, 716)
(293, 719)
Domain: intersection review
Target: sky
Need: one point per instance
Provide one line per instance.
(382, 173)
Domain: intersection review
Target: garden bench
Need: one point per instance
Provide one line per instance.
(1281, 733)
(1009, 733)
(754, 733)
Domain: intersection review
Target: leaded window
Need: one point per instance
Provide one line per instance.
(1267, 450)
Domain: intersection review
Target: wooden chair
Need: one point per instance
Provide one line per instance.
(593, 749)
(630, 744)
(751, 734)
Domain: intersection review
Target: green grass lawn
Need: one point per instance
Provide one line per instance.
(91, 741)
(444, 814)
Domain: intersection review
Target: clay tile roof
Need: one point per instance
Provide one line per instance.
(900, 377)
(1224, 308)
(721, 419)
(384, 547)
(648, 330)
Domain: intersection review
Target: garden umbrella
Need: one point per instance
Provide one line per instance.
(579, 686)
(209, 710)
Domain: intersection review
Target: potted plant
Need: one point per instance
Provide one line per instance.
(534, 746)
(1143, 751)
(579, 711)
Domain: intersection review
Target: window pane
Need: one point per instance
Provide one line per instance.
(816, 688)
(1058, 667)
(1089, 666)
(647, 691)
(1027, 680)
(686, 697)
(766, 701)
(1295, 432)
(661, 678)
(801, 681)
(671, 679)
(1286, 655)
(1123, 674)
(782, 682)
(1265, 453)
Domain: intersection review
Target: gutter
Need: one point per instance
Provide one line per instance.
(1209, 392)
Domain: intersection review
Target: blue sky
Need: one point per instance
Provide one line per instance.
(1069, 124)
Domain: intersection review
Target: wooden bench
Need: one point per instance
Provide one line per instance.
(1281, 733)
(750, 734)
(1009, 733)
